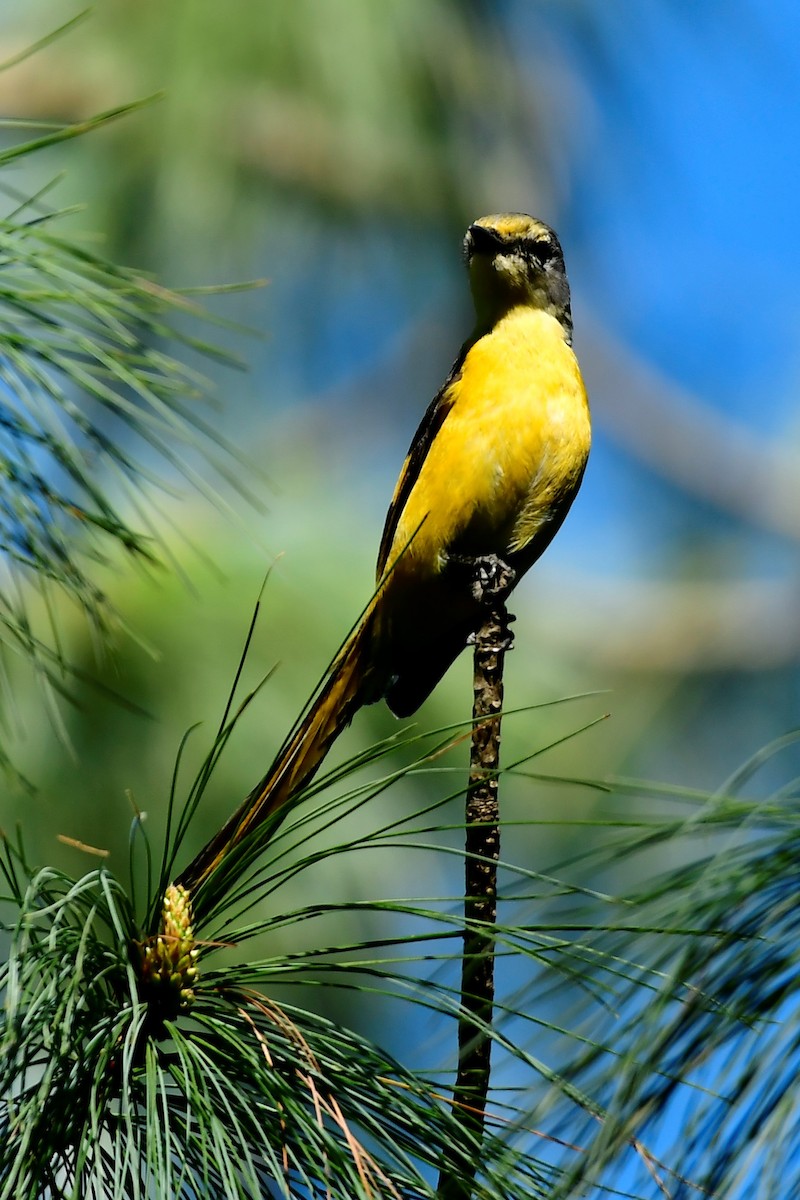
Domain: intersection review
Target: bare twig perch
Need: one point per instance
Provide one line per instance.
(493, 581)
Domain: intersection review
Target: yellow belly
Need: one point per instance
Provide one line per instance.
(508, 459)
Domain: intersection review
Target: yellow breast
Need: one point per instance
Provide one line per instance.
(509, 457)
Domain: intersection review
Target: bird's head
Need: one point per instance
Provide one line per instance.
(516, 260)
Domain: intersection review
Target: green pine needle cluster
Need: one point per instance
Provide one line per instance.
(241, 1094)
(98, 410)
(645, 1040)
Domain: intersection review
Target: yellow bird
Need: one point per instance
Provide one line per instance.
(492, 471)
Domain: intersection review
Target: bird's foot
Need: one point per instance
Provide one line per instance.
(490, 580)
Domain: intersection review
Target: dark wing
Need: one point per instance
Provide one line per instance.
(418, 451)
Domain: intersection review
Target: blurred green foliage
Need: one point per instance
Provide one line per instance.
(343, 108)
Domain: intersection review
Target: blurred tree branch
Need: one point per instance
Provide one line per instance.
(675, 627)
(697, 448)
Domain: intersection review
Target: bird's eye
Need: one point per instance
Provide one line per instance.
(541, 250)
(536, 251)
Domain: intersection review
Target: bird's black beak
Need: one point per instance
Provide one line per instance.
(480, 240)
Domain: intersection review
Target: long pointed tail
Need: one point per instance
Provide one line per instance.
(346, 689)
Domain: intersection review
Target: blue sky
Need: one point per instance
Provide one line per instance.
(684, 202)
